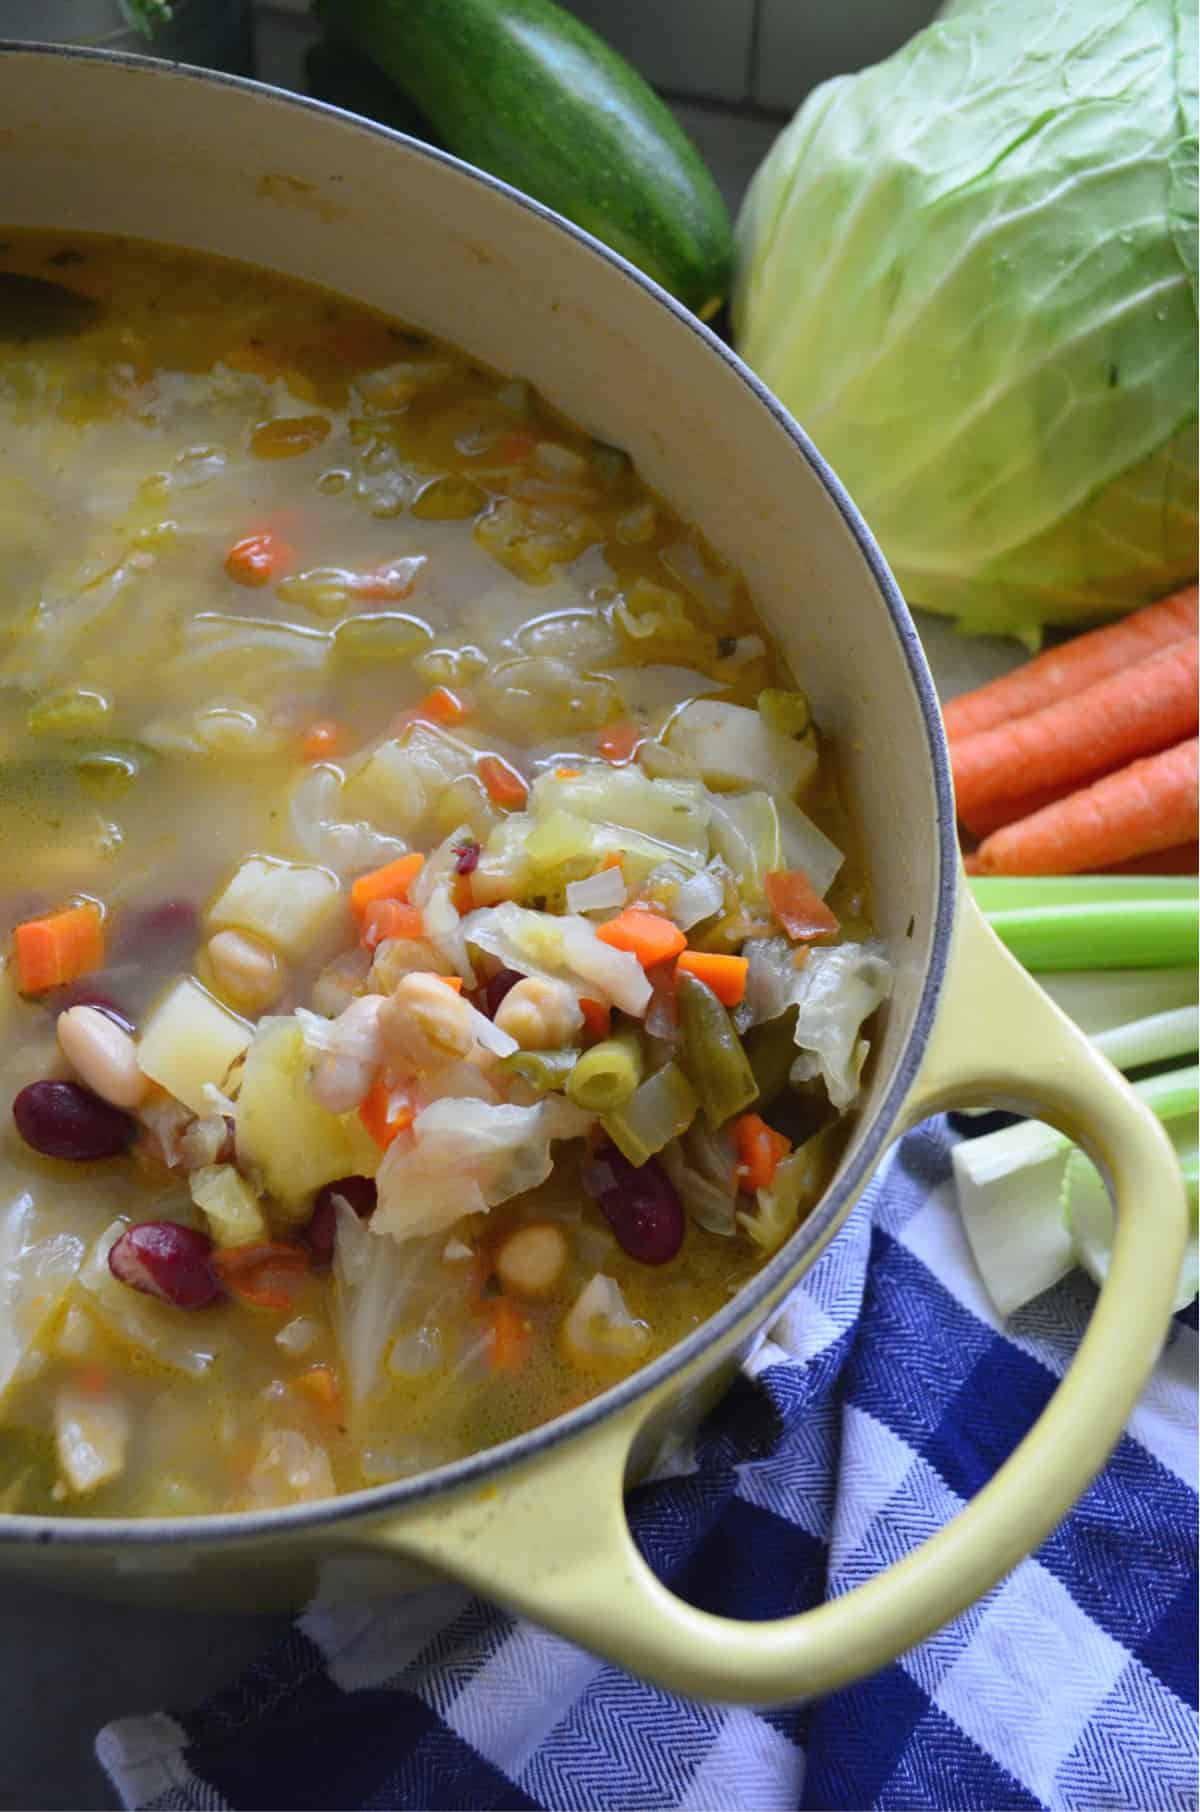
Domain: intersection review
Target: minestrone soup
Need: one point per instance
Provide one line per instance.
(436, 959)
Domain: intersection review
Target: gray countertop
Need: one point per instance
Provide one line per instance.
(67, 1665)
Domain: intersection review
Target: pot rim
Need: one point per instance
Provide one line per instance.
(378, 1500)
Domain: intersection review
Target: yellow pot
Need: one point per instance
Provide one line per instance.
(124, 146)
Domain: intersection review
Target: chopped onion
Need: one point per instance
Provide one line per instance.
(598, 892)
(698, 898)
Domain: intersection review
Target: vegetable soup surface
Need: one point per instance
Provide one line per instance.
(436, 953)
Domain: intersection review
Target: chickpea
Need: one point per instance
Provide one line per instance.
(246, 972)
(541, 1014)
(425, 1023)
(532, 1259)
(397, 957)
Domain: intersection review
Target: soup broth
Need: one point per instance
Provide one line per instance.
(437, 952)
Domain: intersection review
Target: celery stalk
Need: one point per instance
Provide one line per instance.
(1155, 1039)
(1099, 1000)
(1015, 1196)
(1090, 932)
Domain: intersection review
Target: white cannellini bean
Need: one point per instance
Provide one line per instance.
(246, 971)
(540, 1013)
(103, 1054)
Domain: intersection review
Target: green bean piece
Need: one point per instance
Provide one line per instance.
(544, 1071)
(657, 1112)
(607, 1075)
(771, 1049)
(711, 1052)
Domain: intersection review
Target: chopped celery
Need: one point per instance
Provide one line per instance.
(608, 1074)
(228, 1204)
(660, 1110)
(711, 1053)
(1016, 1203)
(1094, 921)
(544, 1071)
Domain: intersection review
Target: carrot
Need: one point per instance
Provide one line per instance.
(257, 559)
(797, 905)
(611, 860)
(1147, 806)
(1145, 708)
(266, 1276)
(982, 820)
(387, 1111)
(443, 706)
(618, 742)
(725, 975)
(509, 1333)
(391, 882)
(760, 1151)
(463, 895)
(321, 740)
(567, 773)
(52, 951)
(453, 982)
(647, 935)
(319, 1382)
(1075, 665)
(597, 1019)
(1183, 859)
(504, 785)
(391, 918)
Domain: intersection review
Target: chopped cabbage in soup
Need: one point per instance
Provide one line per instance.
(437, 965)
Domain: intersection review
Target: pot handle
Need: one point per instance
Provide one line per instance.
(550, 1538)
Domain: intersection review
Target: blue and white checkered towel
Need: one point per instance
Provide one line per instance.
(885, 1397)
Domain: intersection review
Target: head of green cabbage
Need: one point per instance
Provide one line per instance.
(971, 274)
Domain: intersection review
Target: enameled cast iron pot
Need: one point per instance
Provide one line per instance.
(97, 143)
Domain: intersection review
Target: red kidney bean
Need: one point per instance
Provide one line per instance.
(321, 1233)
(466, 858)
(497, 988)
(168, 1261)
(170, 928)
(82, 994)
(66, 1120)
(638, 1202)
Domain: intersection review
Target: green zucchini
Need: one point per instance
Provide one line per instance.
(525, 91)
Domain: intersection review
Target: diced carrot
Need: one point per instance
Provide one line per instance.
(725, 975)
(505, 787)
(760, 1151)
(1061, 672)
(391, 882)
(266, 1276)
(567, 773)
(320, 1383)
(391, 918)
(1147, 806)
(797, 905)
(52, 951)
(387, 1111)
(515, 446)
(597, 1018)
(463, 895)
(611, 860)
(453, 982)
(647, 935)
(443, 706)
(1123, 717)
(257, 559)
(321, 740)
(618, 742)
(510, 1333)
